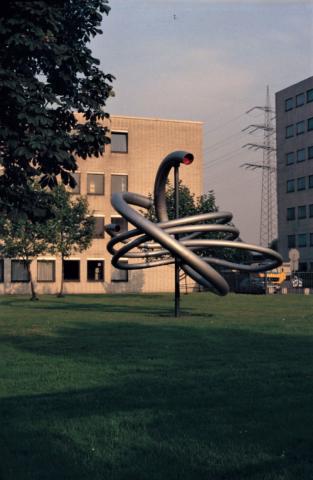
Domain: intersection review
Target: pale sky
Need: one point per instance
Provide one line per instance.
(209, 61)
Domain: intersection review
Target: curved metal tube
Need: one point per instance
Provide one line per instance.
(154, 244)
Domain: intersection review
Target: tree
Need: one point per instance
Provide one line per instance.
(24, 239)
(52, 93)
(72, 226)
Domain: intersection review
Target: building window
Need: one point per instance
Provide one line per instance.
(301, 183)
(19, 271)
(1, 270)
(310, 181)
(45, 271)
(119, 275)
(76, 189)
(99, 227)
(289, 131)
(310, 123)
(300, 128)
(300, 99)
(95, 270)
(290, 186)
(301, 212)
(121, 222)
(291, 241)
(311, 210)
(119, 142)
(311, 239)
(288, 104)
(310, 153)
(302, 240)
(71, 270)
(119, 183)
(301, 155)
(95, 184)
(290, 158)
(291, 215)
(309, 95)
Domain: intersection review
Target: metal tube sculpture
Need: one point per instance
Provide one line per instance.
(155, 244)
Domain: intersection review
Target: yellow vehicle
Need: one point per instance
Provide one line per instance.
(278, 275)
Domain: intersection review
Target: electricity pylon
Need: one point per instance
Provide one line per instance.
(268, 218)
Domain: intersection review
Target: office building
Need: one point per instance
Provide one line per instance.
(294, 131)
(138, 145)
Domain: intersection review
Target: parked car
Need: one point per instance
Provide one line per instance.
(251, 285)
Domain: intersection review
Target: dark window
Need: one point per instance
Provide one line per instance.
(119, 275)
(76, 189)
(311, 210)
(301, 212)
(99, 227)
(119, 183)
(291, 215)
(310, 181)
(291, 241)
(95, 184)
(301, 155)
(95, 270)
(289, 131)
(302, 240)
(311, 266)
(45, 271)
(300, 128)
(311, 239)
(303, 267)
(121, 222)
(300, 99)
(301, 183)
(288, 104)
(290, 186)
(71, 270)
(1, 270)
(19, 271)
(310, 123)
(309, 95)
(290, 158)
(119, 142)
(310, 152)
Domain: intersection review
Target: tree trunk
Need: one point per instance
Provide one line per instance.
(60, 294)
(32, 284)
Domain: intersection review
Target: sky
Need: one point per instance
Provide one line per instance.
(209, 61)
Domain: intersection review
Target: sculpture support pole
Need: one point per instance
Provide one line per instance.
(177, 288)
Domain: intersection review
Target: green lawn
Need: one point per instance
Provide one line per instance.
(114, 387)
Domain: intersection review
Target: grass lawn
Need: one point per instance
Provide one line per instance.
(114, 387)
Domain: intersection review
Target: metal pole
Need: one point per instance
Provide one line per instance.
(177, 289)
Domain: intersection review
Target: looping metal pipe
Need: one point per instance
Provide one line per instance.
(154, 244)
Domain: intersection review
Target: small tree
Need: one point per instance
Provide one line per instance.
(24, 239)
(72, 226)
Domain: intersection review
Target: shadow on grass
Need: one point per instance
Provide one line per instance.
(176, 402)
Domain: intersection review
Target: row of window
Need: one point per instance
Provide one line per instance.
(300, 240)
(303, 211)
(299, 156)
(95, 183)
(71, 271)
(298, 128)
(299, 100)
(300, 183)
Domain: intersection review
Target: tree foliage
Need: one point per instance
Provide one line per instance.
(52, 90)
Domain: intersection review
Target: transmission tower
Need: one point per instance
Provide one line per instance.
(268, 219)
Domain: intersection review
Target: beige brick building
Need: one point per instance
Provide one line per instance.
(129, 163)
